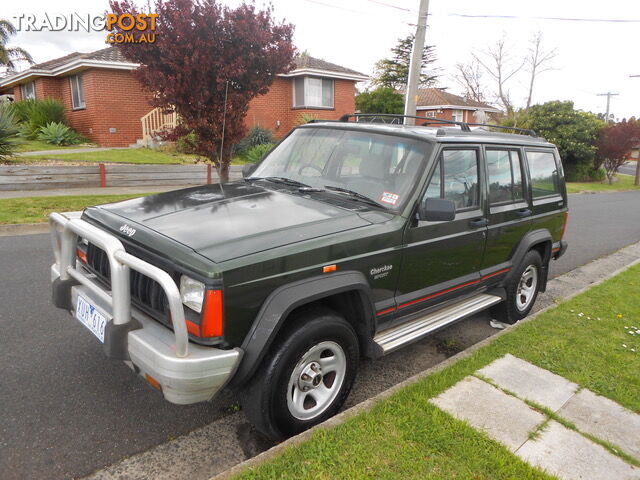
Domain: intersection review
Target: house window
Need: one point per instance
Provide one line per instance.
(28, 91)
(431, 114)
(458, 116)
(77, 92)
(313, 92)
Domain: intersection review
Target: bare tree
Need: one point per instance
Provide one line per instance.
(538, 61)
(469, 77)
(501, 66)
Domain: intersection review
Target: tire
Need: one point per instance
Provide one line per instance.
(306, 376)
(522, 290)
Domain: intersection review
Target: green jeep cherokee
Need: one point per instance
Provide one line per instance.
(348, 239)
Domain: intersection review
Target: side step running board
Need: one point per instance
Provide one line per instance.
(400, 335)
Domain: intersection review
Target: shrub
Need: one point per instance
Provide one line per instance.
(58, 134)
(255, 154)
(305, 118)
(187, 143)
(8, 133)
(35, 114)
(585, 172)
(256, 136)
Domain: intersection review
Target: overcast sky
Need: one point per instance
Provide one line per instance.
(593, 57)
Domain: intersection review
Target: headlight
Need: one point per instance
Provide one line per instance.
(192, 293)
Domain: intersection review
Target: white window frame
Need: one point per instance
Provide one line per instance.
(455, 113)
(306, 103)
(28, 90)
(430, 114)
(76, 81)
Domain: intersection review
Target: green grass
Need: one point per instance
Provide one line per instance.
(36, 209)
(137, 155)
(404, 436)
(624, 183)
(36, 145)
(134, 155)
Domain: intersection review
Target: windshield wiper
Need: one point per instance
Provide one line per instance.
(284, 180)
(355, 195)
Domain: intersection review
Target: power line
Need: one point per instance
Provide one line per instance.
(562, 19)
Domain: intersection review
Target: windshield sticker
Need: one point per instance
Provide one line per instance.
(390, 198)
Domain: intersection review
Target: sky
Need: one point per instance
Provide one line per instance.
(593, 57)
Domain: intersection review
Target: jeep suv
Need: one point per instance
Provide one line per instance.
(349, 239)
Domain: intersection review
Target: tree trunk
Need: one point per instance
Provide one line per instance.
(223, 171)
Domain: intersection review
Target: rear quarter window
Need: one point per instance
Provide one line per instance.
(545, 178)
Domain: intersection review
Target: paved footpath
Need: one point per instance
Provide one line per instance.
(493, 400)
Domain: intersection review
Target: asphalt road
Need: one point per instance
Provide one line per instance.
(628, 168)
(66, 411)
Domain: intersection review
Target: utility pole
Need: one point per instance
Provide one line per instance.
(415, 66)
(608, 95)
(637, 182)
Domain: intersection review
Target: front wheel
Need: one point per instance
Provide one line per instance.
(522, 290)
(306, 376)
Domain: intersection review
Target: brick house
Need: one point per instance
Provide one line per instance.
(438, 104)
(106, 104)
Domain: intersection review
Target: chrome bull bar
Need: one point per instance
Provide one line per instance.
(65, 230)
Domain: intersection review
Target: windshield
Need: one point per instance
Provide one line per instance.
(383, 168)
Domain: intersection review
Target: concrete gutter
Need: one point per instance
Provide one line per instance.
(561, 288)
(13, 229)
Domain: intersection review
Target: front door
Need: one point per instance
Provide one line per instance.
(442, 259)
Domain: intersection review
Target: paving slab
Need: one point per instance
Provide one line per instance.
(570, 456)
(503, 417)
(530, 382)
(604, 419)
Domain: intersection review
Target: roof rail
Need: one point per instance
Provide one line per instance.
(525, 131)
(394, 116)
(464, 126)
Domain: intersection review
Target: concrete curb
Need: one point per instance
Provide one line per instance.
(371, 402)
(23, 229)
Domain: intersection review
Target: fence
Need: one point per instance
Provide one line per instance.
(25, 177)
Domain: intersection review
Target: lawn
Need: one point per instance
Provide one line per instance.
(36, 209)
(404, 436)
(133, 155)
(36, 145)
(136, 155)
(625, 182)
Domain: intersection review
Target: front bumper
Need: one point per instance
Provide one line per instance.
(186, 372)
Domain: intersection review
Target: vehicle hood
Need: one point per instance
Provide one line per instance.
(223, 222)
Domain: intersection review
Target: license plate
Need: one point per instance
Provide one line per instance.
(90, 317)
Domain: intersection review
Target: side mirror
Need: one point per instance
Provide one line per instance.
(437, 210)
(248, 169)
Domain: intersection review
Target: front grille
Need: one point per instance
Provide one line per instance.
(145, 291)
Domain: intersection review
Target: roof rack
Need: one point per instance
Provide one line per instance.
(399, 120)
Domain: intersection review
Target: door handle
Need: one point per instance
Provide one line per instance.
(525, 212)
(479, 222)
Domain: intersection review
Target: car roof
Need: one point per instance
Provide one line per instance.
(444, 134)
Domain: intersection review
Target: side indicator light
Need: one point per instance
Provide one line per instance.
(152, 381)
(329, 268)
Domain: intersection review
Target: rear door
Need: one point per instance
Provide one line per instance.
(510, 213)
(548, 194)
(442, 259)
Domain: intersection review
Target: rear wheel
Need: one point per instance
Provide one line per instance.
(522, 290)
(306, 376)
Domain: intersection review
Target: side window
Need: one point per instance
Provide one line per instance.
(456, 178)
(544, 173)
(505, 176)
